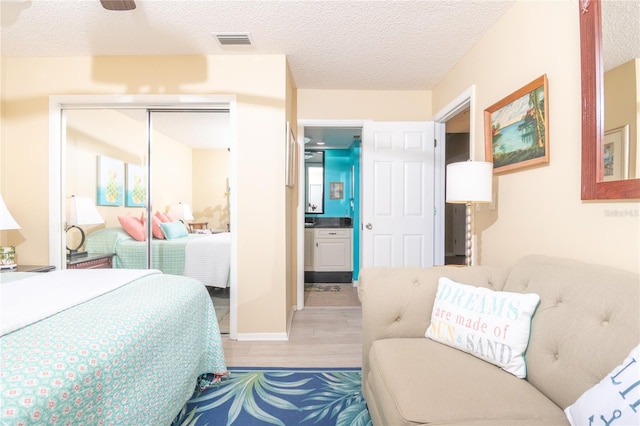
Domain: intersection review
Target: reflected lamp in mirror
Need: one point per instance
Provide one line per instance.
(469, 182)
(7, 253)
(180, 211)
(80, 211)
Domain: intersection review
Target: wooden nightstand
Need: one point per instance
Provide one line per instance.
(30, 268)
(194, 226)
(92, 261)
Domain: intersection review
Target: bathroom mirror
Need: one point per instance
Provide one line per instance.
(314, 176)
(602, 177)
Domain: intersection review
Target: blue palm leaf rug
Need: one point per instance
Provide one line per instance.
(276, 396)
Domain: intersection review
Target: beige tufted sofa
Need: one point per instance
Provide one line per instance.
(586, 323)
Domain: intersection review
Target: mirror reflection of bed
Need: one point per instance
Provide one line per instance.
(189, 161)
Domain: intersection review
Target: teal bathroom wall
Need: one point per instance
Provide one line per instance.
(355, 161)
(337, 169)
(343, 165)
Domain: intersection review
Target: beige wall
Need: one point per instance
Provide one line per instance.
(290, 222)
(380, 105)
(259, 83)
(107, 132)
(211, 171)
(539, 210)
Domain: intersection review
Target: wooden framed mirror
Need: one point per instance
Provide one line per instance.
(594, 184)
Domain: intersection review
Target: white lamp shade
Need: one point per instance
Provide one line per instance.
(6, 220)
(469, 182)
(180, 211)
(82, 211)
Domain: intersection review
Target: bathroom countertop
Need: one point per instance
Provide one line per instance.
(328, 222)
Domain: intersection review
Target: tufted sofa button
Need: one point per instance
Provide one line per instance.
(556, 356)
(605, 323)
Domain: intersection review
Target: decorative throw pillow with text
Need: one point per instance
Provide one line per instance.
(492, 325)
(614, 401)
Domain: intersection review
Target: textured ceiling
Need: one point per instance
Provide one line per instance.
(620, 32)
(329, 44)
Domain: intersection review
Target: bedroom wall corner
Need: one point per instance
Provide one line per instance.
(538, 210)
(291, 224)
(257, 81)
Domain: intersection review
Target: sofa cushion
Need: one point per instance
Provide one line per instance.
(588, 321)
(420, 381)
(616, 397)
(492, 325)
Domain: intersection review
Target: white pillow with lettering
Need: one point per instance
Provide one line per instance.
(614, 401)
(491, 325)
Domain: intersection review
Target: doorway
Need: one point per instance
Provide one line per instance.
(456, 150)
(457, 118)
(159, 103)
(413, 140)
(331, 214)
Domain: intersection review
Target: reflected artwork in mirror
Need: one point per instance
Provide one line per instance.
(314, 170)
(609, 133)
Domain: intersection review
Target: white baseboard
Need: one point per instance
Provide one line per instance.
(292, 312)
(266, 337)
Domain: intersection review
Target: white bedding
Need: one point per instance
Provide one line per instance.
(26, 301)
(207, 259)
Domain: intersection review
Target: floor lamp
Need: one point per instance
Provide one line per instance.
(469, 182)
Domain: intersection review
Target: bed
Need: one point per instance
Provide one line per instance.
(104, 346)
(204, 257)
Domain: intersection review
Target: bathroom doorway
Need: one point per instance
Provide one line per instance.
(331, 203)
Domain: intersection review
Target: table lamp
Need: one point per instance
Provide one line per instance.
(469, 182)
(80, 211)
(7, 253)
(180, 211)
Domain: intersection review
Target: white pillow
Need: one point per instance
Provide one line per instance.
(615, 400)
(492, 325)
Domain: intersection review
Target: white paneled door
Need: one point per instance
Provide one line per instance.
(398, 194)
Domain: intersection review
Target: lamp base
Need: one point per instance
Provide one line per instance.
(13, 265)
(7, 257)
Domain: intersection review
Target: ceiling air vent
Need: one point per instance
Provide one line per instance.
(233, 39)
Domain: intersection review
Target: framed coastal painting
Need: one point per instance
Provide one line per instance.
(336, 190)
(110, 181)
(516, 128)
(615, 155)
(136, 192)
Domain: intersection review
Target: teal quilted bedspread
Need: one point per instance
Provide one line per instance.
(167, 255)
(131, 356)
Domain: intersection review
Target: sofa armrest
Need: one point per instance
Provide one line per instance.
(397, 302)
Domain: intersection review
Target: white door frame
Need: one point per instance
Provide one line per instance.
(462, 101)
(301, 193)
(57, 163)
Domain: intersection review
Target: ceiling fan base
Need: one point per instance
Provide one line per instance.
(118, 4)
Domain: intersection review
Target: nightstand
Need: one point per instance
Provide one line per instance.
(194, 226)
(30, 268)
(92, 261)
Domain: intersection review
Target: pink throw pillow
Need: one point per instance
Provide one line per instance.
(155, 226)
(162, 217)
(133, 226)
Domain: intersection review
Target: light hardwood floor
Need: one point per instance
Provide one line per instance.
(320, 337)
